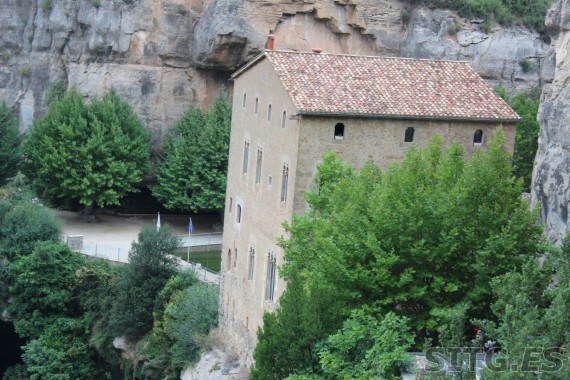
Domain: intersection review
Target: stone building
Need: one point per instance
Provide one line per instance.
(290, 108)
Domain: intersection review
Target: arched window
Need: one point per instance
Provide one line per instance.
(339, 131)
(244, 99)
(284, 119)
(256, 105)
(229, 260)
(238, 214)
(478, 137)
(409, 135)
(235, 257)
(269, 113)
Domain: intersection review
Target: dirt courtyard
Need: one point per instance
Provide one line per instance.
(122, 230)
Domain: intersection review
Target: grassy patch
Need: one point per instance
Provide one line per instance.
(209, 259)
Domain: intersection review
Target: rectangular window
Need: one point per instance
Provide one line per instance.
(235, 257)
(238, 214)
(245, 156)
(339, 131)
(258, 165)
(284, 183)
(251, 263)
(270, 281)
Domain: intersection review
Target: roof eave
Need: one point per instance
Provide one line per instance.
(409, 117)
(248, 65)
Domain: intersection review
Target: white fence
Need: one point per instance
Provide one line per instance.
(198, 240)
(120, 252)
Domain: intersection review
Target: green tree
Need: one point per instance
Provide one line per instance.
(188, 318)
(43, 287)
(368, 348)
(419, 239)
(151, 265)
(94, 153)
(192, 176)
(23, 225)
(10, 140)
(526, 140)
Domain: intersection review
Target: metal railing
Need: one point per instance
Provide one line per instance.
(197, 240)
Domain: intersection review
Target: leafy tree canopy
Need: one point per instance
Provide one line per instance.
(192, 176)
(420, 239)
(526, 140)
(10, 140)
(94, 153)
(151, 265)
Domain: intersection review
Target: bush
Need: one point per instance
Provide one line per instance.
(151, 265)
(10, 140)
(24, 224)
(526, 65)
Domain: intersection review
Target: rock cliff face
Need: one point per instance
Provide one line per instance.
(162, 55)
(551, 180)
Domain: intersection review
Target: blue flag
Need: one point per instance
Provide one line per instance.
(190, 227)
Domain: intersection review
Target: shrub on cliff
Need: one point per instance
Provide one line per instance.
(10, 139)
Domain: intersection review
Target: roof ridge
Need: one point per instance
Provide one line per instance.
(363, 56)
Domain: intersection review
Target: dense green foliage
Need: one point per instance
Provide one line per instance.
(526, 140)
(10, 139)
(184, 314)
(44, 290)
(151, 264)
(529, 13)
(192, 176)
(94, 153)
(386, 241)
(23, 221)
(534, 319)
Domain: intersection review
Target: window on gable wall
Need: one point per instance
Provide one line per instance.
(256, 105)
(284, 182)
(269, 113)
(478, 137)
(251, 263)
(229, 260)
(339, 131)
(271, 274)
(238, 214)
(245, 156)
(284, 119)
(244, 99)
(409, 134)
(235, 257)
(258, 165)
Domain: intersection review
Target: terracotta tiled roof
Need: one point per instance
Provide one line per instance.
(386, 87)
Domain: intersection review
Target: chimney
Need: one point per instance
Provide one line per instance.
(271, 41)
